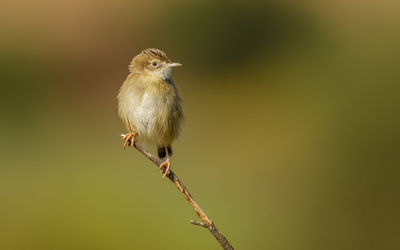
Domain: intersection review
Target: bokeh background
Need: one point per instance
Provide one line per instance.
(290, 140)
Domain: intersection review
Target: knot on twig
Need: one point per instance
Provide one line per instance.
(201, 223)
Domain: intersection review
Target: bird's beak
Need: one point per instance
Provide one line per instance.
(171, 65)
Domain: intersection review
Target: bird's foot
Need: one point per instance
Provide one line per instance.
(167, 165)
(129, 139)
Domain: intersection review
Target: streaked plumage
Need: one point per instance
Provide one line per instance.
(149, 103)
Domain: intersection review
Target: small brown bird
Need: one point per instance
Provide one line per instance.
(149, 104)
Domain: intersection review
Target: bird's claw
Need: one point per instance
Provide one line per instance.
(129, 139)
(167, 165)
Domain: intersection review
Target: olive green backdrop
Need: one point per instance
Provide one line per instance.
(290, 139)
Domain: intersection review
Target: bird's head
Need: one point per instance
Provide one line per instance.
(153, 62)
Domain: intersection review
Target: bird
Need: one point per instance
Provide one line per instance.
(150, 106)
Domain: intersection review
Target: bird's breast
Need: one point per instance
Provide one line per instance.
(152, 108)
(157, 113)
(146, 112)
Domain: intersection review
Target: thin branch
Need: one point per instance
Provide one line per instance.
(198, 223)
(205, 220)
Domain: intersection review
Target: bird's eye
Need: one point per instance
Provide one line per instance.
(154, 63)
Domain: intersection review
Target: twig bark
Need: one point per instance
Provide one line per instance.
(205, 220)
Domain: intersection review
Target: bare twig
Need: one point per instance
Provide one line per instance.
(199, 223)
(206, 222)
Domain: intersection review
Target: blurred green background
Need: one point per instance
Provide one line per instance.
(290, 141)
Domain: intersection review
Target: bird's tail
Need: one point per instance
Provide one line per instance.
(163, 153)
